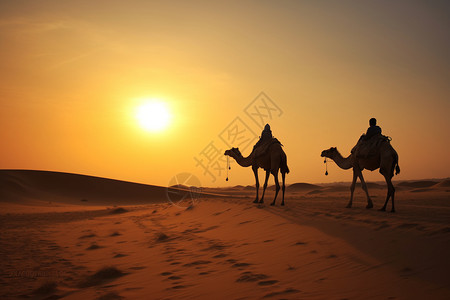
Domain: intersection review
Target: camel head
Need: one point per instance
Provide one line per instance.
(233, 152)
(330, 153)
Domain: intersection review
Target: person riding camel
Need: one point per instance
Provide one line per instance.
(373, 130)
(366, 145)
(265, 140)
(266, 135)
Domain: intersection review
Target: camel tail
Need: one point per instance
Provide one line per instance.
(284, 167)
(397, 167)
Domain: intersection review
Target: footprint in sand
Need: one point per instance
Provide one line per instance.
(240, 265)
(286, 291)
(214, 246)
(267, 282)
(245, 222)
(102, 276)
(53, 247)
(204, 273)
(161, 237)
(300, 244)
(291, 268)
(108, 296)
(221, 212)
(118, 255)
(94, 247)
(196, 263)
(177, 287)
(87, 236)
(200, 230)
(250, 277)
(133, 288)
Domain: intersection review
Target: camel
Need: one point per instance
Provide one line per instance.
(386, 160)
(271, 161)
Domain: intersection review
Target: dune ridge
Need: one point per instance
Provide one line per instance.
(20, 185)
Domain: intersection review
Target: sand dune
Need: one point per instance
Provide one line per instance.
(43, 185)
(249, 187)
(444, 183)
(303, 187)
(237, 187)
(221, 247)
(417, 184)
(34, 187)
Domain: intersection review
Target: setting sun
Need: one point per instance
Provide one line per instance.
(153, 115)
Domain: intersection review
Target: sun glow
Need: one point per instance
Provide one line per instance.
(153, 115)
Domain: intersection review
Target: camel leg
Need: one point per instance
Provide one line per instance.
(265, 186)
(283, 176)
(352, 189)
(277, 187)
(364, 187)
(255, 172)
(390, 194)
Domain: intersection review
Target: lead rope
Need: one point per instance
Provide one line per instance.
(228, 166)
(326, 166)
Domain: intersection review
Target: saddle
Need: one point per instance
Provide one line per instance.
(367, 148)
(262, 148)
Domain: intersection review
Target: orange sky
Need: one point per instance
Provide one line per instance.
(73, 72)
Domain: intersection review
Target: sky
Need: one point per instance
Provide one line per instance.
(74, 72)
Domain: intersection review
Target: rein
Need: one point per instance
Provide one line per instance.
(228, 166)
(326, 166)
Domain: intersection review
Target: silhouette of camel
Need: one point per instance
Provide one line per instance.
(271, 161)
(386, 159)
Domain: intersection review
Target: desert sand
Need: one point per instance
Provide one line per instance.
(80, 237)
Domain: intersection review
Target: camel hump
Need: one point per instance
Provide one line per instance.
(370, 147)
(262, 148)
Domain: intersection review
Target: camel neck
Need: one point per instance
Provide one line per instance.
(343, 162)
(244, 161)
